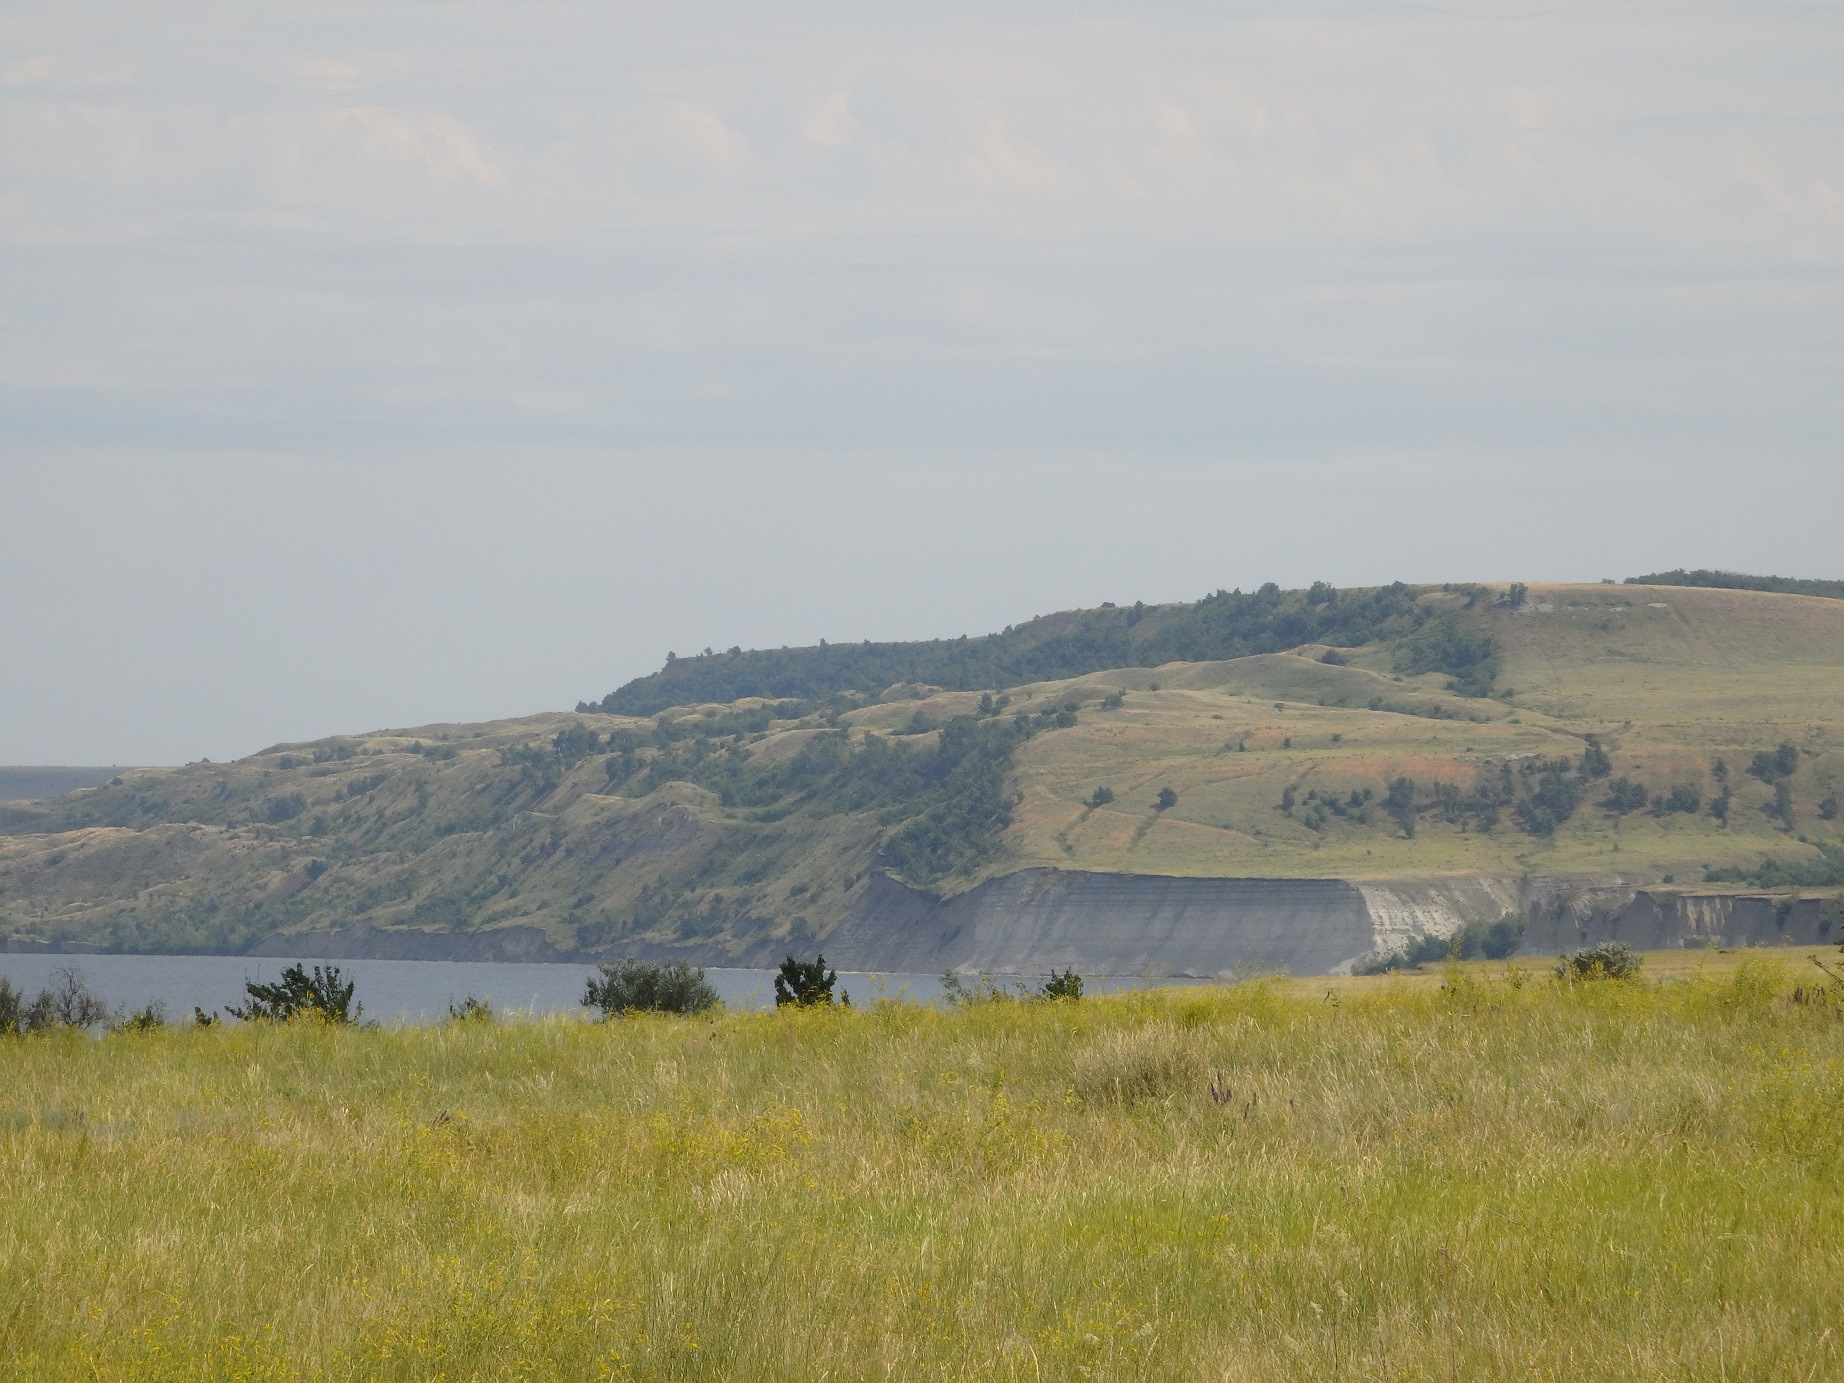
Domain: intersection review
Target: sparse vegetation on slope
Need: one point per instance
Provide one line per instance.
(758, 826)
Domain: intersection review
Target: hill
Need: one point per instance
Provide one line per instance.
(1633, 737)
(1227, 624)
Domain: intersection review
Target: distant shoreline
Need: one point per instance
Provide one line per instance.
(32, 782)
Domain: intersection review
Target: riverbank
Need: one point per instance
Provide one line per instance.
(1476, 1174)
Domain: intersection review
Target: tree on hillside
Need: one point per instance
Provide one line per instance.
(1594, 760)
(1771, 765)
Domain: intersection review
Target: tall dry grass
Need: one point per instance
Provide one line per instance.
(1496, 1180)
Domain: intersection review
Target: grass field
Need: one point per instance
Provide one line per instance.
(1480, 1174)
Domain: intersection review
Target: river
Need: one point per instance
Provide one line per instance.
(410, 991)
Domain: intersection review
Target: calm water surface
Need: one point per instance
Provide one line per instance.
(402, 991)
(419, 991)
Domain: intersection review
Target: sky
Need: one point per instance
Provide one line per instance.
(382, 364)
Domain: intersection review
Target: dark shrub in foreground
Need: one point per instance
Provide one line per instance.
(805, 983)
(67, 1003)
(1067, 985)
(472, 1009)
(1606, 960)
(638, 986)
(325, 995)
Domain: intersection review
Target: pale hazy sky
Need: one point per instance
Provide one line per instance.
(376, 364)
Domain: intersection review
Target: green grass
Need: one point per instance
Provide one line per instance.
(1492, 1176)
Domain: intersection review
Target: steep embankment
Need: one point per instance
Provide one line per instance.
(1018, 827)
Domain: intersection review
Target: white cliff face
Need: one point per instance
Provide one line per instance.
(1406, 910)
(1038, 920)
(1111, 924)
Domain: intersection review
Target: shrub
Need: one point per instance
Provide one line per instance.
(1826, 872)
(1101, 797)
(1136, 1065)
(959, 993)
(1781, 809)
(1453, 643)
(325, 995)
(150, 1018)
(1474, 941)
(574, 743)
(1067, 985)
(68, 1003)
(1753, 985)
(1551, 801)
(1828, 809)
(1605, 960)
(1623, 796)
(1167, 800)
(1494, 940)
(282, 807)
(630, 986)
(1420, 951)
(1399, 802)
(1772, 765)
(470, 1010)
(1594, 760)
(805, 984)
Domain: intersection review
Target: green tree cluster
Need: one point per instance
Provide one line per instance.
(638, 986)
(1226, 624)
(806, 984)
(1737, 581)
(65, 1003)
(325, 994)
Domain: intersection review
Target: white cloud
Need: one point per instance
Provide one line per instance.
(1179, 236)
(1000, 158)
(447, 150)
(327, 74)
(830, 121)
(702, 132)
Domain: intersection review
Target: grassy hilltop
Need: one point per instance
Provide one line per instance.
(1378, 734)
(1486, 1175)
